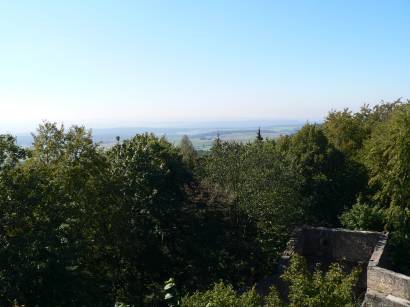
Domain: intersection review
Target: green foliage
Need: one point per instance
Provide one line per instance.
(330, 181)
(82, 225)
(222, 295)
(399, 251)
(345, 131)
(10, 153)
(273, 298)
(171, 224)
(47, 208)
(327, 289)
(349, 131)
(331, 288)
(98, 227)
(387, 156)
(388, 159)
(151, 178)
(378, 138)
(263, 185)
(189, 154)
(363, 217)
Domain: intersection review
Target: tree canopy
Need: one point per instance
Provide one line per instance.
(86, 225)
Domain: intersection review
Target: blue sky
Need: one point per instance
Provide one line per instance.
(132, 63)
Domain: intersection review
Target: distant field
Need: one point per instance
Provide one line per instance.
(202, 138)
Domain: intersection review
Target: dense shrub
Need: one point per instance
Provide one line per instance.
(222, 295)
(332, 288)
(363, 217)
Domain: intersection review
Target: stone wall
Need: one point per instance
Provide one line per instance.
(339, 244)
(367, 249)
(388, 282)
(328, 245)
(385, 287)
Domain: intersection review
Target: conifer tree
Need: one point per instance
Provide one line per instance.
(259, 135)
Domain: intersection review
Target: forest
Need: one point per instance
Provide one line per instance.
(85, 225)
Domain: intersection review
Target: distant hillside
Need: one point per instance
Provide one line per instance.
(201, 135)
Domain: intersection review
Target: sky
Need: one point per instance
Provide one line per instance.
(134, 63)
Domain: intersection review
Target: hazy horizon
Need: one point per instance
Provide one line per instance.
(201, 134)
(227, 124)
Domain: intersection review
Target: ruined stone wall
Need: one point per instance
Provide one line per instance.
(339, 244)
(367, 249)
(388, 282)
(385, 287)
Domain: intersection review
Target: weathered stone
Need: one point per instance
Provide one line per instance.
(383, 287)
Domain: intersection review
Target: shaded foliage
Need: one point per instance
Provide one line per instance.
(385, 154)
(189, 154)
(263, 184)
(84, 226)
(331, 181)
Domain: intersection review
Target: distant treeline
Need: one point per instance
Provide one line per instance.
(83, 225)
(201, 138)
